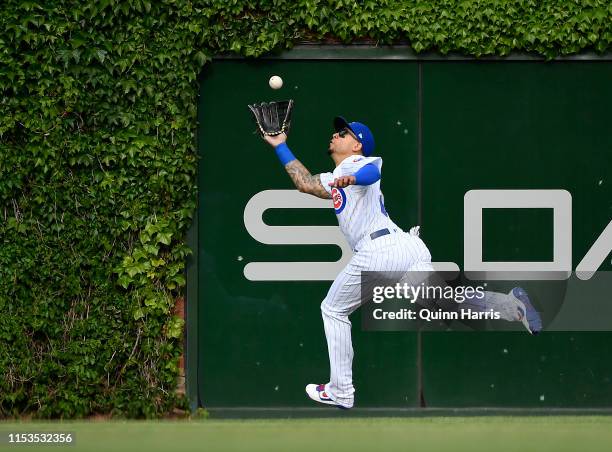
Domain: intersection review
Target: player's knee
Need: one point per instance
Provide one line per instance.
(327, 309)
(324, 308)
(333, 311)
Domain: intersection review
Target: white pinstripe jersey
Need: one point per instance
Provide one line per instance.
(360, 208)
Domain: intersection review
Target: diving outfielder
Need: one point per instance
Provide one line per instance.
(379, 246)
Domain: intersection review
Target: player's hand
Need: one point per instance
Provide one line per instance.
(276, 139)
(344, 181)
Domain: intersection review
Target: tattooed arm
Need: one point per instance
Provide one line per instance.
(301, 177)
(304, 181)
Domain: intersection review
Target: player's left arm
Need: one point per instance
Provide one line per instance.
(366, 175)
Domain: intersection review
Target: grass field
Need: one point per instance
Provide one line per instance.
(494, 433)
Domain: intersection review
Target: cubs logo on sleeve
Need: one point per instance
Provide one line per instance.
(339, 199)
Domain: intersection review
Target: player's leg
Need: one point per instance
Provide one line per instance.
(384, 255)
(342, 299)
(388, 254)
(514, 306)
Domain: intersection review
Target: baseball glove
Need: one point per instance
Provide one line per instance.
(272, 118)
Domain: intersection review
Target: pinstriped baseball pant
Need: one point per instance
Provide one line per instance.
(395, 252)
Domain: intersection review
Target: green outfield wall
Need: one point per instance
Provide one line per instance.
(443, 127)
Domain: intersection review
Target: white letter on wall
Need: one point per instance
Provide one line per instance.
(559, 200)
(292, 235)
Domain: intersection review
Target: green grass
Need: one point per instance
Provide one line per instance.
(490, 434)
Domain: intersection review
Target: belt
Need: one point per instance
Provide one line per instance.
(379, 233)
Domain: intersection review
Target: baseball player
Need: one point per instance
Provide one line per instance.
(379, 246)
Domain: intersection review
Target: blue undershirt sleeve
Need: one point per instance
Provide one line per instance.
(367, 175)
(284, 153)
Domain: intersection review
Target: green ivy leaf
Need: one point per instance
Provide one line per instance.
(138, 314)
(164, 237)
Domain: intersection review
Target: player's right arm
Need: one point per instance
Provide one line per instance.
(303, 180)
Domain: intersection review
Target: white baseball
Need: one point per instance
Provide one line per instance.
(275, 82)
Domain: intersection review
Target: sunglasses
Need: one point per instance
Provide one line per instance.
(344, 132)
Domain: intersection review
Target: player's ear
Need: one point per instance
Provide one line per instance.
(358, 147)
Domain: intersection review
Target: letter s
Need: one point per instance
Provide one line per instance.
(292, 235)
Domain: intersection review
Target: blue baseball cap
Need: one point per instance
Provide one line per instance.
(361, 131)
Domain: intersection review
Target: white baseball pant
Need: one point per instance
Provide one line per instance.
(395, 252)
